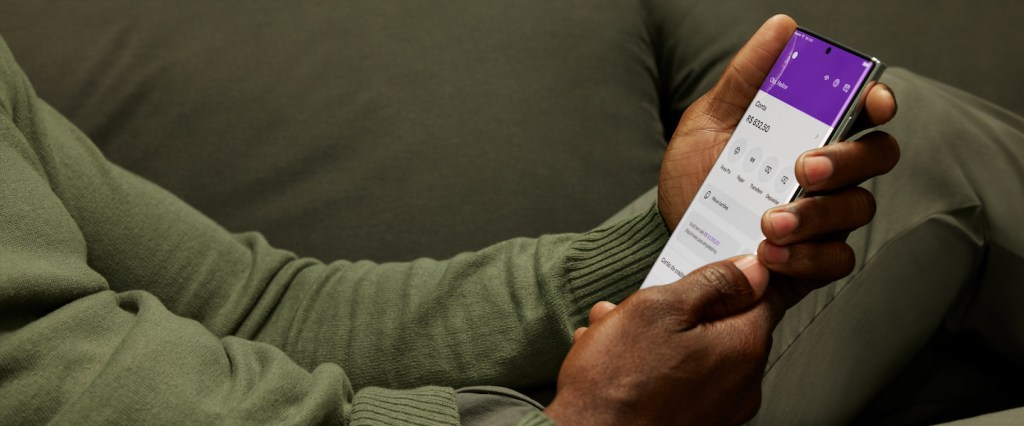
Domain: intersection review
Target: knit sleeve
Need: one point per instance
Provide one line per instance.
(85, 250)
(129, 303)
(502, 316)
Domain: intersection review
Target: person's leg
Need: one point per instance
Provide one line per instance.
(946, 208)
(1014, 417)
(493, 406)
(945, 237)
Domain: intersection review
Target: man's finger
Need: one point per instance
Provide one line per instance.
(599, 310)
(576, 335)
(847, 164)
(720, 289)
(879, 107)
(816, 261)
(811, 217)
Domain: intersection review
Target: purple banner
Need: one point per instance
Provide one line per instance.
(816, 77)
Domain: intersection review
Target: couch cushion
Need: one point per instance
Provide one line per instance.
(361, 129)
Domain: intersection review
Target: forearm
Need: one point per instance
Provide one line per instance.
(72, 351)
(501, 315)
(467, 320)
(122, 358)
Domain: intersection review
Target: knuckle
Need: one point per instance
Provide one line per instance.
(806, 208)
(886, 150)
(720, 290)
(645, 300)
(713, 276)
(652, 306)
(804, 259)
(862, 202)
(843, 260)
(822, 261)
(844, 211)
(893, 151)
(721, 282)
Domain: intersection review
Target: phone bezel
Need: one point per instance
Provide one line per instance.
(860, 96)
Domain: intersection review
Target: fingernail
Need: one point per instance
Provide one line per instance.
(817, 168)
(756, 273)
(775, 254)
(783, 223)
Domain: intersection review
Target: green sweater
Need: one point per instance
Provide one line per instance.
(120, 304)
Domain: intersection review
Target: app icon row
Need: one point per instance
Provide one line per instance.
(766, 169)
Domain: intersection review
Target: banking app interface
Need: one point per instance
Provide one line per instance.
(797, 108)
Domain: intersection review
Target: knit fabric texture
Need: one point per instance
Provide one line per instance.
(120, 304)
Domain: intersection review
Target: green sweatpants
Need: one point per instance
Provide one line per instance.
(946, 246)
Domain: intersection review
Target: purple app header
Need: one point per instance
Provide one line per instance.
(818, 83)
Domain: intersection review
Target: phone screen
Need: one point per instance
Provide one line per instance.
(808, 99)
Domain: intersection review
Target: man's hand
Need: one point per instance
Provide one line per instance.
(805, 240)
(691, 352)
(694, 351)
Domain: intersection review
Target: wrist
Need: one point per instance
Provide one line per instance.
(608, 264)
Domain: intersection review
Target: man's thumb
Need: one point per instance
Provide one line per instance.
(724, 288)
(728, 100)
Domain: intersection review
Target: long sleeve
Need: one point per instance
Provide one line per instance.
(122, 304)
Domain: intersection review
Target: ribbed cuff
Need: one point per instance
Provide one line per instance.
(610, 263)
(429, 405)
(536, 419)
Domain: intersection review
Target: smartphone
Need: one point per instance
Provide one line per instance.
(810, 98)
